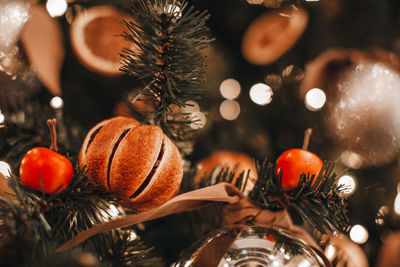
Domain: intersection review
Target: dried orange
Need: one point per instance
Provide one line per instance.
(96, 39)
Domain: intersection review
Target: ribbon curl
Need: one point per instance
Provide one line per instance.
(240, 210)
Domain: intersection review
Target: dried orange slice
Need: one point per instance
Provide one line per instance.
(96, 41)
(271, 35)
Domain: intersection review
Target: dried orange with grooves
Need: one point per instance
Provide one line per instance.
(96, 41)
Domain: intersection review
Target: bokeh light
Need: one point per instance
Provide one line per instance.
(2, 118)
(396, 206)
(359, 234)
(229, 109)
(330, 252)
(351, 159)
(349, 184)
(5, 168)
(383, 210)
(255, 2)
(132, 235)
(56, 102)
(56, 8)
(261, 94)
(190, 106)
(112, 212)
(198, 120)
(230, 89)
(315, 99)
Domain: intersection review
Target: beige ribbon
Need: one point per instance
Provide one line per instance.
(222, 192)
(240, 210)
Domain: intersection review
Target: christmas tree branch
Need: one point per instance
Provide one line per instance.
(167, 39)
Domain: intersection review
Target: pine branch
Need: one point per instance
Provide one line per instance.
(217, 175)
(121, 248)
(45, 221)
(19, 136)
(318, 200)
(167, 58)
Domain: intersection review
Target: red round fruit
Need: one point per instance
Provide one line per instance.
(293, 162)
(52, 168)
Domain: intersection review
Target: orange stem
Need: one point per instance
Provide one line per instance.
(52, 126)
(306, 141)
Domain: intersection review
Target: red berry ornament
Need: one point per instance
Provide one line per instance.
(294, 162)
(46, 166)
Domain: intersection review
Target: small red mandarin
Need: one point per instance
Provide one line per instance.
(292, 163)
(54, 169)
(43, 167)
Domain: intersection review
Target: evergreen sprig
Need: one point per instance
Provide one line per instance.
(46, 221)
(317, 199)
(167, 39)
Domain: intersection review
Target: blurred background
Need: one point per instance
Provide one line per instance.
(331, 65)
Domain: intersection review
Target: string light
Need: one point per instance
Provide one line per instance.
(5, 168)
(132, 235)
(315, 99)
(229, 109)
(348, 184)
(330, 252)
(261, 94)
(230, 88)
(56, 8)
(359, 234)
(56, 102)
(396, 206)
(2, 118)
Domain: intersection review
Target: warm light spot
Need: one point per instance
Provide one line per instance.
(359, 234)
(198, 120)
(112, 212)
(351, 159)
(383, 210)
(348, 184)
(255, 2)
(56, 102)
(132, 235)
(230, 89)
(5, 168)
(56, 8)
(190, 106)
(261, 94)
(2, 118)
(229, 109)
(396, 206)
(330, 252)
(315, 99)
